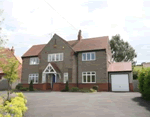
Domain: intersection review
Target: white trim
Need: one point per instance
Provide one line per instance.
(49, 65)
(90, 56)
(89, 75)
(55, 54)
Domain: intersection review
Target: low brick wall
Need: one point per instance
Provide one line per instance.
(43, 86)
(61, 86)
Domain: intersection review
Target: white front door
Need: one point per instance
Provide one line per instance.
(120, 82)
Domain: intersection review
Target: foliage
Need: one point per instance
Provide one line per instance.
(144, 83)
(121, 51)
(16, 107)
(67, 86)
(25, 89)
(19, 86)
(11, 71)
(85, 90)
(138, 68)
(95, 88)
(135, 74)
(74, 89)
(31, 86)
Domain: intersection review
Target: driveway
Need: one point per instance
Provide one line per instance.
(101, 104)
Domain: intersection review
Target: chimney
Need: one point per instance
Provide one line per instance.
(12, 50)
(79, 35)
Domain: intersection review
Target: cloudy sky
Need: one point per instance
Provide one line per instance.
(31, 22)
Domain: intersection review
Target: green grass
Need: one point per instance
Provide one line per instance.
(137, 68)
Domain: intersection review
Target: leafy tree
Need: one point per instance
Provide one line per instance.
(10, 69)
(121, 50)
(31, 86)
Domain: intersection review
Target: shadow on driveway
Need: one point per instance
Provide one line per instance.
(142, 102)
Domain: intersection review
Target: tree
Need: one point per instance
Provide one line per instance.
(10, 69)
(121, 50)
(31, 86)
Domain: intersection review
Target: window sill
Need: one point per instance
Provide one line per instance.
(88, 82)
(88, 60)
(33, 64)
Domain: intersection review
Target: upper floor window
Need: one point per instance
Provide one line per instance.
(65, 77)
(89, 77)
(34, 78)
(55, 57)
(34, 60)
(89, 56)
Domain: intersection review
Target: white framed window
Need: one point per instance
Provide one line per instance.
(89, 77)
(34, 77)
(34, 61)
(89, 56)
(65, 77)
(55, 57)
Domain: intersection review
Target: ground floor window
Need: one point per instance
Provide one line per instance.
(89, 77)
(34, 77)
(65, 77)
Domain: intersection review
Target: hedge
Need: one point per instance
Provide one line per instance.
(144, 83)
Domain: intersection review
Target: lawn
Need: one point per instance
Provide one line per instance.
(137, 68)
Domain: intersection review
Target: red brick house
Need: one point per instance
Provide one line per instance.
(9, 53)
(82, 62)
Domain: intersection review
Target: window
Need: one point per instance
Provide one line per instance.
(88, 77)
(34, 61)
(65, 77)
(55, 57)
(88, 56)
(34, 77)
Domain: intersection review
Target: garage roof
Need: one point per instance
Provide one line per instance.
(120, 66)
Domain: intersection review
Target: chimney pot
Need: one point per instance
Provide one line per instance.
(12, 50)
(79, 35)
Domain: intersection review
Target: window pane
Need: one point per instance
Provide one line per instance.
(53, 57)
(88, 56)
(93, 78)
(93, 56)
(57, 57)
(88, 72)
(61, 56)
(93, 72)
(84, 56)
(88, 78)
(84, 78)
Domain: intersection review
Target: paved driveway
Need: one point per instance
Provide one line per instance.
(101, 104)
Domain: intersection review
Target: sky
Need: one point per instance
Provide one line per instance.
(32, 22)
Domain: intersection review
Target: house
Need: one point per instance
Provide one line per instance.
(9, 53)
(145, 65)
(82, 62)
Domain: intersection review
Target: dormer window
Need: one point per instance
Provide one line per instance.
(34, 61)
(89, 56)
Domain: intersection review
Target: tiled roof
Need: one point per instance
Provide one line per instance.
(120, 66)
(82, 45)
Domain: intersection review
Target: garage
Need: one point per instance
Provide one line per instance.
(120, 76)
(120, 82)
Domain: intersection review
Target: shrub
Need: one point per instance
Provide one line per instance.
(31, 86)
(74, 89)
(64, 90)
(24, 89)
(135, 75)
(95, 88)
(144, 83)
(66, 87)
(85, 90)
(18, 86)
(15, 108)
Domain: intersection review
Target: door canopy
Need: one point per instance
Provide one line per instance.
(49, 69)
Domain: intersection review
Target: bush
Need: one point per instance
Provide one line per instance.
(19, 86)
(24, 89)
(15, 108)
(144, 83)
(31, 86)
(64, 90)
(66, 87)
(74, 89)
(95, 88)
(85, 90)
(135, 75)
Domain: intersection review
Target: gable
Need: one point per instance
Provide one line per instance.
(75, 45)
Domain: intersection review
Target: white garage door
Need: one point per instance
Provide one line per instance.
(120, 82)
